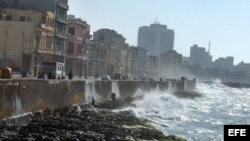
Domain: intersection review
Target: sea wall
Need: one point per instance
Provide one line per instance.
(22, 95)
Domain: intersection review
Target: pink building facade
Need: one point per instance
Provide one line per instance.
(76, 49)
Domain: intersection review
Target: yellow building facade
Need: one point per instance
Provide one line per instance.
(26, 39)
(16, 44)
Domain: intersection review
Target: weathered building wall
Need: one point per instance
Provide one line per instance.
(21, 96)
(16, 43)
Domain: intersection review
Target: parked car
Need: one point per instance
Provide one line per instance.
(6, 72)
(126, 77)
(106, 77)
(117, 76)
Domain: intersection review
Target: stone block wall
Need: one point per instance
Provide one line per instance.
(22, 96)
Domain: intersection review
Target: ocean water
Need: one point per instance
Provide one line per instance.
(198, 119)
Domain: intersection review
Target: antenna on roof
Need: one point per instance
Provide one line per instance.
(156, 21)
(209, 45)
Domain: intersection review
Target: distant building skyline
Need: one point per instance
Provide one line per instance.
(156, 38)
(109, 52)
(224, 63)
(223, 22)
(199, 56)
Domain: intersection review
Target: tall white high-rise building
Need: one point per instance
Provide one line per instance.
(156, 38)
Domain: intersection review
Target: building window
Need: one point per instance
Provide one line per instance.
(44, 19)
(79, 49)
(101, 38)
(29, 18)
(72, 31)
(70, 48)
(22, 18)
(8, 18)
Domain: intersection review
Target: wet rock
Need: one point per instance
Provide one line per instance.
(88, 124)
(187, 94)
(114, 103)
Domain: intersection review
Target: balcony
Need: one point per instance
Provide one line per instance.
(74, 37)
(76, 57)
(61, 35)
(61, 20)
(44, 26)
(46, 51)
(62, 5)
(59, 53)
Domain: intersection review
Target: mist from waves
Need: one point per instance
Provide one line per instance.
(199, 119)
(91, 93)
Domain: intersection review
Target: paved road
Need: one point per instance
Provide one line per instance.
(18, 76)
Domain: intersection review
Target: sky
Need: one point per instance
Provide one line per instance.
(225, 23)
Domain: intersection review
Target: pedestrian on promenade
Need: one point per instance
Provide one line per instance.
(70, 75)
(50, 75)
(45, 75)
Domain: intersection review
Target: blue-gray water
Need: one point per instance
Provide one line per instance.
(199, 119)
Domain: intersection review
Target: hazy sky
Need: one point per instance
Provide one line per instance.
(226, 23)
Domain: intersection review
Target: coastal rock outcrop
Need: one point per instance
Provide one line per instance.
(84, 122)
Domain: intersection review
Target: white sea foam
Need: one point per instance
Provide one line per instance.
(199, 119)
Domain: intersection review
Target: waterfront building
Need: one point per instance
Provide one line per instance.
(97, 58)
(156, 38)
(224, 63)
(126, 61)
(138, 60)
(170, 64)
(115, 43)
(111, 38)
(243, 69)
(113, 64)
(199, 56)
(76, 46)
(59, 8)
(153, 65)
(26, 39)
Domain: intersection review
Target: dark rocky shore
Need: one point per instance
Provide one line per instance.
(237, 84)
(82, 122)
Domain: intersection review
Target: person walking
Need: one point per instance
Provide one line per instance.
(50, 75)
(70, 75)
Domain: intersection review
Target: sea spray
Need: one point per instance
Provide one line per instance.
(160, 107)
(90, 91)
(115, 89)
(198, 119)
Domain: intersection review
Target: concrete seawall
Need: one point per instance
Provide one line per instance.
(21, 96)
